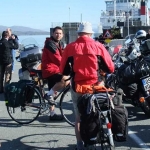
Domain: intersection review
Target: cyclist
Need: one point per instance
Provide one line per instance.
(87, 58)
(51, 57)
(84, 58)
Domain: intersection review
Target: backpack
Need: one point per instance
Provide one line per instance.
(15, 93)
(119, 123)
(89, 119)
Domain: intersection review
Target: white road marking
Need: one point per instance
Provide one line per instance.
(138, 140)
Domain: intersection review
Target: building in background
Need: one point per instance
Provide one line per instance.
(70, 31)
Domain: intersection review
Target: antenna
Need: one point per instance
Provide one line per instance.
(81, 17)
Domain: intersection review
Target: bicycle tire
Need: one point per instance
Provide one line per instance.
(105, 141)
(29, 111)
(66, 107)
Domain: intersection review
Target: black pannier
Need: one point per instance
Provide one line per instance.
(17, 93)
(119, 123)
(89, 123)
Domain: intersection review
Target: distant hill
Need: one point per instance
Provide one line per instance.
(21, 30)
(2, 28)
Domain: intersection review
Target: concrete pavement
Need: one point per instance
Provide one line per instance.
(43, 134)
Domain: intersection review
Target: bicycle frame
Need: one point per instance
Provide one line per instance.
(56, 96)
(40, 84)
(41, 90)
(106, 115)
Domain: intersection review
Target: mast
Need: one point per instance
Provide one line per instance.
(115, 9)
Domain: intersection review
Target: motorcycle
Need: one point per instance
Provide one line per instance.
(30, 58)
(133, 72)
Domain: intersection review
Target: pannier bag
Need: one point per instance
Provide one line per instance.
(89, 119)
(16, 93)
(119, 123)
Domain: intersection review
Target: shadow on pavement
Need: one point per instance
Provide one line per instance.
(35, 142)
(136, 113)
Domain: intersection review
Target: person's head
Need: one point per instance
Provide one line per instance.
(57, 33)
(149, 31)
(5, 34)
(9, 31)
(85, 29)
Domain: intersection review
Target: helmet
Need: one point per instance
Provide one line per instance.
(141, 34)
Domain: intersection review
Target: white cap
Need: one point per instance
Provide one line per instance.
(85, 27)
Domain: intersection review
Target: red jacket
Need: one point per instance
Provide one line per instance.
(51, 57)
(87, 57)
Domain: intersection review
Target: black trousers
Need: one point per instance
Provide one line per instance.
(5, 76)
(52, 80)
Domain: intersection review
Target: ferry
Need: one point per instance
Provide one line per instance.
(125, 13)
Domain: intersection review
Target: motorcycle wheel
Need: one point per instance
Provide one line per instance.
(146, 108)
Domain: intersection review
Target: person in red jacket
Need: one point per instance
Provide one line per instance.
(51, 58)
(87, 58)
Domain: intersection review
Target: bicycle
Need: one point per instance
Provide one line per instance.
(104, 104)
(31, 109)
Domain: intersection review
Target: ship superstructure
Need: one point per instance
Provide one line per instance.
(127, 12)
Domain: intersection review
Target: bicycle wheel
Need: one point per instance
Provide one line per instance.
(66, 107)
(105, 140)
(29, 111)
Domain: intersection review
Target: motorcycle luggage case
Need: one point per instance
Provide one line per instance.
(30, 55)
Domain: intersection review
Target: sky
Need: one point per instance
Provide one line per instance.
(43, 14)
